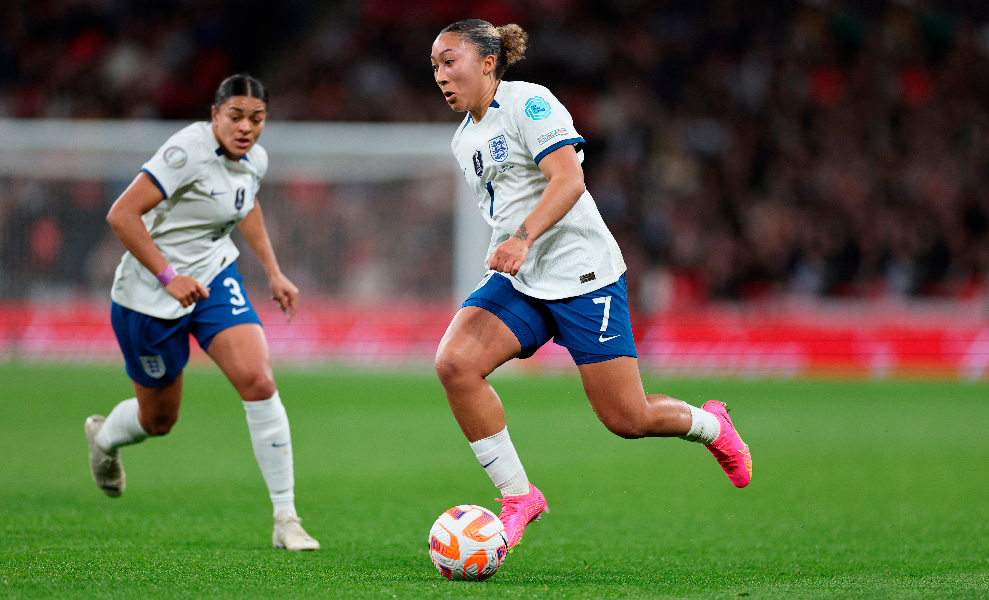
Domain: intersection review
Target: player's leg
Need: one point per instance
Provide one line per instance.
(242, 354)
(155, 352)
(495, 325)
(227, 327)
(614, 389)
(597, 330)
(474, 345)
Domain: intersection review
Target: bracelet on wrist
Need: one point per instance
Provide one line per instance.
(166, 276)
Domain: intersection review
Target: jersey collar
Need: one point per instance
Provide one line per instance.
(219, 152)
(468, 120)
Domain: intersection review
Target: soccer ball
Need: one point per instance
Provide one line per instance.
(468, 542)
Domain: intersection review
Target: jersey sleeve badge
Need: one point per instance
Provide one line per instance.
(175, 157)
(537, 109)
(552, 134)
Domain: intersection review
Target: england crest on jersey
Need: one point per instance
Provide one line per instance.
(154, 365)
(498, 147)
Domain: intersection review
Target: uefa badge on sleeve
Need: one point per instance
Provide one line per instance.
(537, 108)
(175, 157)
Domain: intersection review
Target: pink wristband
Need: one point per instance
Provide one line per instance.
(166, 276)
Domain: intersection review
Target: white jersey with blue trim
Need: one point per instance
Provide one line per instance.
(206, 195)
(500, 158)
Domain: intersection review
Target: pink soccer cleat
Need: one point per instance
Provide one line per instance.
(519, 511)
(732, 453)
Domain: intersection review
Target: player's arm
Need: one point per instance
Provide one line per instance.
(125, 219)
(565, 184)
(255, 233)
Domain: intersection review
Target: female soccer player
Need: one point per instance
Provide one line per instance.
(555, 271)
(179, 276)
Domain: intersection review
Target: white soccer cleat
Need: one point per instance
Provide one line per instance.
(290, 535)
(108, 472)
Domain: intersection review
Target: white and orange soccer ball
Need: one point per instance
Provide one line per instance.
(468, 542)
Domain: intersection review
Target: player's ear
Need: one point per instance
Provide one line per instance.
(489, 64)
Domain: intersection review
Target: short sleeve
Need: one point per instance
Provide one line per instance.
(544, 123)
(177, 163)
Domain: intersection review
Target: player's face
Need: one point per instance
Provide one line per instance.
(238, 123)
(460, 71)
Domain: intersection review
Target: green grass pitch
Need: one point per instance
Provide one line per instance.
(860, 490)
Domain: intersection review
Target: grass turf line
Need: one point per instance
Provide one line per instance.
(860, 489)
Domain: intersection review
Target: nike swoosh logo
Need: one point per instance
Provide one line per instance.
(238, 311)
(490, 463)
(215, 193)
(274, 445)
(603, 339)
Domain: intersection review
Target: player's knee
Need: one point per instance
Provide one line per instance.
(160, 424)
(451, 369)
(260, 386)
(447, 368)
(625, 426)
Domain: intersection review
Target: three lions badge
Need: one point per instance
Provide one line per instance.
(498, 147)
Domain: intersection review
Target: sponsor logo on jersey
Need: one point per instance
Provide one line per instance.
(499, 148)
(153, 365)
(588, 277)
(175, 157)
(537, 109)
(478, 163)
(552, 134)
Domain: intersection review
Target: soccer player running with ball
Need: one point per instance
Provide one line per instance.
(555, 271)
(179, 276)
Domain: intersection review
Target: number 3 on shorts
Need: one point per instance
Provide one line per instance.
(606, 300)
(237, 295)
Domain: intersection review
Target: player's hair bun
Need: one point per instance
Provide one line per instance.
(513, 42)
(507, 43)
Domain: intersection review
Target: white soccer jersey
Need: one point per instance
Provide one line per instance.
(206, 195)
(500, 160)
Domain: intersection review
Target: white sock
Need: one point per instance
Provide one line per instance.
(272, 441)
(122, 427)
(704, 427)
(498, 457)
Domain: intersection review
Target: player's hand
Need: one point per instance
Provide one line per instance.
(509, 256)
(285, 294)
(186, 290)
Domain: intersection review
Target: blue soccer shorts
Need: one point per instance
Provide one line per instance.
(156, 350)
(594, 327)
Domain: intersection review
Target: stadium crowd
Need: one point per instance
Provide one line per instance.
(738, 150)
